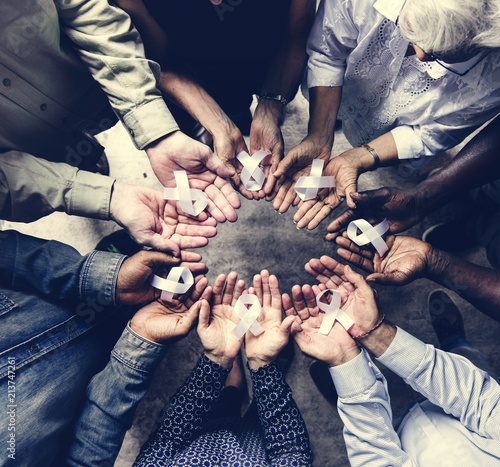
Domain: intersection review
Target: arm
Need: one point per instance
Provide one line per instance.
(113, 51)
(114, 393)
(285, 433)
(447, 380)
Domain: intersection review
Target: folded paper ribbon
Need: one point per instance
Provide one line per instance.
(191, 200)
(252, 176)
(307, 186)
(172, 284)
(369, 234)
(248, 316)
(332, 313)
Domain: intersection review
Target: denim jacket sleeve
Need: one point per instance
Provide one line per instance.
(111, 400)
(112, 49)
(31, 188)
(56, 270)
(285, 433)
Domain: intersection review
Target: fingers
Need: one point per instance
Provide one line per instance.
(326, 270)
(358, 281)
(154, 259)
(257, 288)
(310, 300)
(276, 303)
(285, 196)
(157, 242)
(311, 213)
(189, 319)
(238, 292)
(218, 166)
(299, 303)
(336, 227)
(360, 257)
(227, 297)
(219, 205)
(219, 289)
(204, 314)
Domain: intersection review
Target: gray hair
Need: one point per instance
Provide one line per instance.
(451, 26)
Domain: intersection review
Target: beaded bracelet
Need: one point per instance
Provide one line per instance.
(365, 334)
(374, 153)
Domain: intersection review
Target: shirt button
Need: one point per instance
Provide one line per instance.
(6, 82)
(34, 349)
(43, 107)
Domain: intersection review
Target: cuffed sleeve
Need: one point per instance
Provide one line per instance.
(31, 188)
(112, 398)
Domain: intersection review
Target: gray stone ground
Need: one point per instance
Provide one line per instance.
(261, 238)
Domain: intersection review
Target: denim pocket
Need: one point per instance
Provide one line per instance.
(6, 304)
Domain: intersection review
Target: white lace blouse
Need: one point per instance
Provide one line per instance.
(356, 44)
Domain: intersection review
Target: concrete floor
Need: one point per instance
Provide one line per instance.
(261, 238)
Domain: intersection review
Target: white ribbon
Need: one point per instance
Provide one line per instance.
(248, 316)
(191, 200)
(172, 284)
(252, 176)
(307, 187)
(369, 234)
(332, 313)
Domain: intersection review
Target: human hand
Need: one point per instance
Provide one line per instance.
(345, 168)
(215, 324)
(292, 167)
(264, 348)
(265, 134)
(336, 347)
(153, 222)
(161, 323)
(204, 169)
(407, 259)
(402, 208)
(133, 282)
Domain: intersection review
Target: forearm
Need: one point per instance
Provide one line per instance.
(324, 103)
(31, 188)
(365, 410)
(275, 404)
(187, 410)
(112, 398)
(448, 381)
(57, 270)
(192, 97)
(475, 165)
(479, 285)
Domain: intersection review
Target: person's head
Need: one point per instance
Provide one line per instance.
(451, 30)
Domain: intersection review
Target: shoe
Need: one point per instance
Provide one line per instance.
(323, 381)
(451, 236)
(119, 242)
(445, 316)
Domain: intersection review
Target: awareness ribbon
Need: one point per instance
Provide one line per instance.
(248, 316)
(332, 313)
(172, 284)
(191, 200)
(307, 187)
(252, 176)
(369, 234)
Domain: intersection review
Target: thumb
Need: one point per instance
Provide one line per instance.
(356, 279)
(223, 169)
(159, 243)
(286, 164)
(287, 323)
(379, 196)
(204, 314)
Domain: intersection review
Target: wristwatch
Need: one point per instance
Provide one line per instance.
(274, 97)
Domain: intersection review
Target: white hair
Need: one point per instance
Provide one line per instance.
(451, 26)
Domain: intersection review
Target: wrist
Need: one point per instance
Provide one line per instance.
(256, 363)
(438, 263)
(379, 339)
(118, 191)
(268, 109)
(363, 159)
(222, 360)
(344, 356)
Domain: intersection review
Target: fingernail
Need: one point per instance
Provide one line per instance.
(295, 222)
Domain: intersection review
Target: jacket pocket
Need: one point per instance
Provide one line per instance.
(6, 304)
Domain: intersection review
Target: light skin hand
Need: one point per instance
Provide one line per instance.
(263, 349)
(407, 259)
(335, 348)
(204, 169)
(402, 208)
(153, 222)
(163, 322)
(216, 323)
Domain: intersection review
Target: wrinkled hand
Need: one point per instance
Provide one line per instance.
(335, 348)
(345, 169)
(216, 324)
(296, 163)
(357, 297)
(401, 208)
(133, 283)
(153, 222)
(204, 169)
(407, 259)
(161, 322)
(264, 348)
(265, 134)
